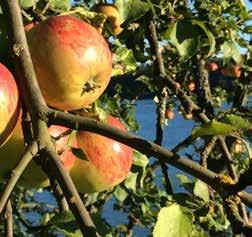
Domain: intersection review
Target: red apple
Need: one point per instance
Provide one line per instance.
(33, 176)
(30, 25)
(9, 104)
(72, 61)
(106, 164)
(169, 114)
(232, 71)
(191, 86)
(211, 67)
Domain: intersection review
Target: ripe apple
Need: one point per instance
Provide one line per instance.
(30, 25)
(106, 162)
(169, 114)
(232, 71)
(191, 86)
(9, 104)
(33, 176)
(112, 14)
(72, 61)
(212, 66)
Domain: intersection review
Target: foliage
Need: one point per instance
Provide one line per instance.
(188, 32)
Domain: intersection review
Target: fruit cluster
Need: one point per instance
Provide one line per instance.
(73, 66)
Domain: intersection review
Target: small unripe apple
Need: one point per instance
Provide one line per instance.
(105, 164)
(9, 104)
(72, 61)
(112, 14)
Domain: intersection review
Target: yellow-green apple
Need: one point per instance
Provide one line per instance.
(112, 14)
(106, 162)
(72, 61)
(33, 176)
(9, 104)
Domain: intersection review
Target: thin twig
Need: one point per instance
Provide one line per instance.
(25, 159)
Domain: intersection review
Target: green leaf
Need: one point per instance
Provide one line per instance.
(248, 29)
(185, 37)
(90, 17)
(124, 61)
(130, 181)
(173, 222)
(27, 3)
(236, 121)
(131, 9)
(71, 138)
(209, 36)
(185, 182)
(212, 128)
(66, 224)
(201, 190)
(140, 159)
(231, 51)
(120, 193)
(64, 5)
(79, 153)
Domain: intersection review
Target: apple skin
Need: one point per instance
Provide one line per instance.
(72, 61)
(112, 14)
(33, 176)
(107, 163)
(9, 104)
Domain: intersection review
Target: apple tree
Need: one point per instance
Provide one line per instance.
(81, 67)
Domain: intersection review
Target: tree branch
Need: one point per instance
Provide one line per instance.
(36, 107)
(8, 220)
(25, 159)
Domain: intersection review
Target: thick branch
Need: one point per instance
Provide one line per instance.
(36, 107)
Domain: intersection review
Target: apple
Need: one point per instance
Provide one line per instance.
(169, 114)
(30, 25)
(72, 61)
(113, 16)
(106, 162)
(191, 86)
(232, 71)
(33, 176)
(212, 66)
(9, 104)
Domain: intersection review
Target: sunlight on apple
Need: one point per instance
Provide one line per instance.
(90, 54)
(2, 97)
(116, 147)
